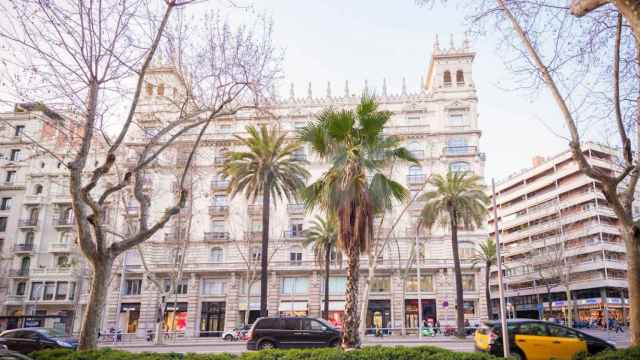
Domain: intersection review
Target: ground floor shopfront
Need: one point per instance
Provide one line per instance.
(202, 312)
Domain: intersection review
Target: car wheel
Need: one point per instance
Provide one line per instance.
(228, 337)
(517, 355)
(266, 345)
(334, 343)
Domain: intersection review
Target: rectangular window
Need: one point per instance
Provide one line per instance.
(11, 177)
(468, 282)
(337, 285)
(225, 128)
(381, 284)
(426, 283)
(19, 130)
(456, 120)
(15, 155)
(295, 285)
(5, 203)
(212, 287)
(181, 286)
(72, 290)
(62, 290)
(469, 307)
(36, 291)
(49, 290)
(220, 200)
(295, 228)
(3, 224)
(132, 287)
(20, 287)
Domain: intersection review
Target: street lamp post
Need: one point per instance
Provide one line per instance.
(503, 319)
(418, 280)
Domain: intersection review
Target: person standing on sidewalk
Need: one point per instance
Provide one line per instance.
(618, 326)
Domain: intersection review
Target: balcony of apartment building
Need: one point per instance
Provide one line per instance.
(175, 235)
(65, 221)
(293, 234)
(54, 270)
(218, 210)
(295, 208)
(219, 184)
(24, 248)
(14, 299)
(19, 273)
(28, 223)
(459, 151)
(219, 159)
(61, 197)
(216, 236)
(253, 235)
(61, 247)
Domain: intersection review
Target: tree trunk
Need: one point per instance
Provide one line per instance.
(95, 307)
(631, 12)
(264, 256)
(458, 275)
(350, 337)
(248, 310)
(327, 263)
(569, 307)
(487, 290)
(549, 301)
(365, 295)
(631, 235)
(159, 320)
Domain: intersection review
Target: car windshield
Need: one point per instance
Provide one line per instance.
(52, 333)
(326, 323)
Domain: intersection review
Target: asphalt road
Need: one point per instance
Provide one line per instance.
(239, 347)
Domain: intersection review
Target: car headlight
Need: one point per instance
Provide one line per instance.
(64, 343)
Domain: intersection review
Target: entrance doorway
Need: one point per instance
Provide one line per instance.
(129, 316)
(212, 319)
(383, 307)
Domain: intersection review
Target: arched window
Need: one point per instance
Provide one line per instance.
(29, 237)
(149, 89)
(161, 89)
(447, 78)
(256, 253)
(459, 77)
(416, 150)
(216, 255)
(25, 263)
(459, 166)
(33, 215)
(37, 190)
(295, 255)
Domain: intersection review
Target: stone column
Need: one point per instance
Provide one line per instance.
(232, 289)
(397, 302)
(315, 295)
(273, 298)
(193, 307)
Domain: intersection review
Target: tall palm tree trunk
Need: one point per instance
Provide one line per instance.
(327, 263)
(350, 336)
(264, 255)
(487, 290)
(458, 274)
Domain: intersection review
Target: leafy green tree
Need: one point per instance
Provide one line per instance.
(486, 256)
(354, 186)
(457, 201)
(269, 168)
(322, 236)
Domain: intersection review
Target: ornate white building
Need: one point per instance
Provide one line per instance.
(218, 236)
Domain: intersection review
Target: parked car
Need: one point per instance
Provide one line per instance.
(291, 332)
(32, 339)
(537, 340)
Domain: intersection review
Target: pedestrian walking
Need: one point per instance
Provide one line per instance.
(619, 328)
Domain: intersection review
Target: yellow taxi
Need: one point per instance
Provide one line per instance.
(537, 340)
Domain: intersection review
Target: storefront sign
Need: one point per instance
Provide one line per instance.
(182, 306)
(124, 307)
(252, 306)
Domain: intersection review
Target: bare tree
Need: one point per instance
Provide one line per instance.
(587, 55)
(91, 57)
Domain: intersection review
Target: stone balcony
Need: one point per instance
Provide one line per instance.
(219, 210)
(25, 248)
(60, 247)
(216, 236)
(295, 209)
(219, 184)
(27, 223)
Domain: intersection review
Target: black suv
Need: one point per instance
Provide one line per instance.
(291, 332)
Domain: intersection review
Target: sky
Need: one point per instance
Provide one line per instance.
(360, 40)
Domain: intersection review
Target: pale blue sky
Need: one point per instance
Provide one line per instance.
(355, 40)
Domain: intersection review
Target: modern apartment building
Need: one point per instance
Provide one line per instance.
(219, 237)
(558, 234)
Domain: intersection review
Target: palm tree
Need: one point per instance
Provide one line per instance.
(323, 235)
(354, 187)
(457, 201)
(268, 168)
(486, 256)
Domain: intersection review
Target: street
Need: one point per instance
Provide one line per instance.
(216, 345)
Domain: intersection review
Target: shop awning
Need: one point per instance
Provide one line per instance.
(293, 306)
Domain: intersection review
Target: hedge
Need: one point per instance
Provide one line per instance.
(366, 353)
(632, 353)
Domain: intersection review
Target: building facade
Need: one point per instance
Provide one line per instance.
(559, 236)
(217, 237)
